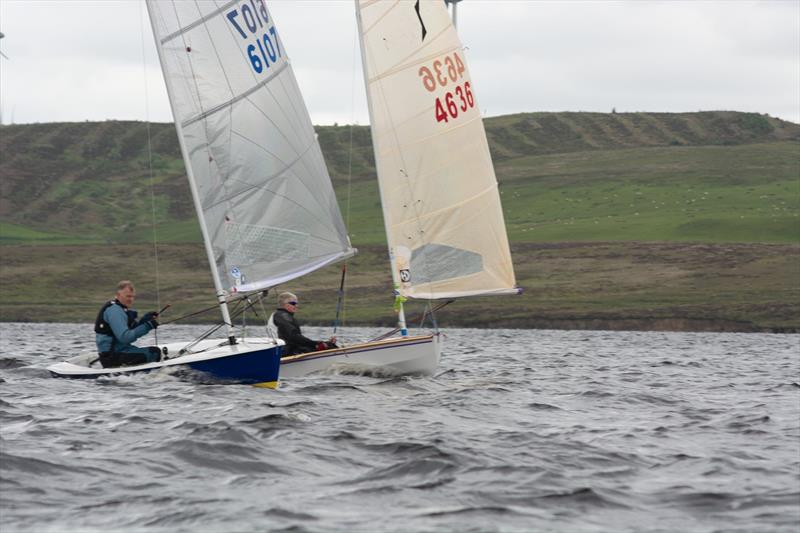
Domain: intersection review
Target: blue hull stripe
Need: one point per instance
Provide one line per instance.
(251, 367)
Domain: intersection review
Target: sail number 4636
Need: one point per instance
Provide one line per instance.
(251, 20)
(442, 73)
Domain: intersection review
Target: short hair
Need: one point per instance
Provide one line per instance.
(124, 284)
(286, 297)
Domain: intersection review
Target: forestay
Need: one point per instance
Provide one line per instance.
(262, 191)
(441, 206)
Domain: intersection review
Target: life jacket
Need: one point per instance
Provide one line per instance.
(104, 328)
(272, 329)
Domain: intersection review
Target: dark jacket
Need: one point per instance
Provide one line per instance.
(125, 329)
(289, 331)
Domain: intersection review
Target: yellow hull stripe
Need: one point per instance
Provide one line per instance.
(267, 384)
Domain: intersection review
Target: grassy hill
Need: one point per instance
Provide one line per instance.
(694, 220)
(563, 176)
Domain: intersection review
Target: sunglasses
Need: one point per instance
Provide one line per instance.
(292, 303)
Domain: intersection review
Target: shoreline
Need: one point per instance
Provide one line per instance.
(657, 325)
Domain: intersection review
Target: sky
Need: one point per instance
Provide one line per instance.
(76, 60)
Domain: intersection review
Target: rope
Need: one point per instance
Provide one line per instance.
(340, 299)
(340, 303)
(150, 167)
(234, 315)
(206, 310)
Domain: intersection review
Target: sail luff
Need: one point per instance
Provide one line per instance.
(371, 108)
(401, 316)
(219, 291)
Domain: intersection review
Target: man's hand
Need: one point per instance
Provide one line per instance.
(152, 318)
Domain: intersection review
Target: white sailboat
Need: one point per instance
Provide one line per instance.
(441, 207)
(264, 200)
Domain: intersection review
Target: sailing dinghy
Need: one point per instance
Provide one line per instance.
(263, 196)
(441, 208)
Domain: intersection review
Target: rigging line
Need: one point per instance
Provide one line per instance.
(201, 311)
(211, 331)
(342, 301)
(206, 310)
(418, 317)
(352, 120)
(150, 167)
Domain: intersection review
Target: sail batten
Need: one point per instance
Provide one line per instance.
(263, 194)
(439, 194)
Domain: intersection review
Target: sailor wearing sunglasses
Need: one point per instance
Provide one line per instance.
(288, 329)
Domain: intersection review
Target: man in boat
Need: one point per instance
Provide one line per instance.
(288, 329)
(116, 328)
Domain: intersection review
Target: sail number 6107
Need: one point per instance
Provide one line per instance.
(253, 17)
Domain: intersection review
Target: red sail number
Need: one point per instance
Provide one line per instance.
(462, 99)
(442, 71)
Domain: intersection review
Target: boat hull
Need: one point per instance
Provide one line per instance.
(403, 355)
(255, 362)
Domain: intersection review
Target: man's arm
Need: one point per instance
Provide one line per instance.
(118, 320)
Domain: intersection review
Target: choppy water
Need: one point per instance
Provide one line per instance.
(519, 431)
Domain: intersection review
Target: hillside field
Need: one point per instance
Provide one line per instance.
(618, 221)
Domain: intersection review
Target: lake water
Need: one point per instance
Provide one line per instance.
(518, 431)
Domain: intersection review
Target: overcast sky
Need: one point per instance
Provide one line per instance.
(73, 60)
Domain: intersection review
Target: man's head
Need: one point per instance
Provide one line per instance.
(288, 301)
(126, 293)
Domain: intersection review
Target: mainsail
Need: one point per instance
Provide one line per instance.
(262, 192)
(441, 206)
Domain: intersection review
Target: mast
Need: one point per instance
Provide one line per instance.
(455, 11)
(401, 315)
(220, 292)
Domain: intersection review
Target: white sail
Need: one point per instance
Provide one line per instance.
(444, 222)
(262, 192)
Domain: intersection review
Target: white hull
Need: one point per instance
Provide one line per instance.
(403, 355)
